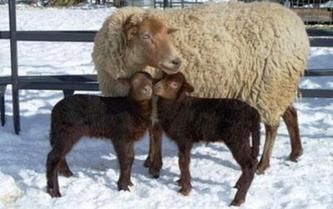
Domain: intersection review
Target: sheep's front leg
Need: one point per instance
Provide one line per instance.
(271, 132)
(125, 154)
(184, 166)
(154, 159)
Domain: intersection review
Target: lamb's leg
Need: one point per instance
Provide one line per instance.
(248, 165)
(64, 169)
(54, 158)
(125, 154)
(154, 159)
(184, 157)
(290, 118)
(271, 132)
(148, 161)
(62, 142)
(254, 149)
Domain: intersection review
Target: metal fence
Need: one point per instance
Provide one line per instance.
(69, 83)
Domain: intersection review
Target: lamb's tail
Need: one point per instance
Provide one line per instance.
(53, 133)
(256, 136)
(52, 137)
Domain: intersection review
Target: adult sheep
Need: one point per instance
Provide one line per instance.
(255, 52)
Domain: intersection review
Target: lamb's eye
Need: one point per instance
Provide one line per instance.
(174, 85)
(135, 81)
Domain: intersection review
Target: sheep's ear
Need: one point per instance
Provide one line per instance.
(164, 74)
(188, 87)
(172, 30)
(131, 32)
(130, 27)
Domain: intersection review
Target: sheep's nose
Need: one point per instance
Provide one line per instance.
(176, 62)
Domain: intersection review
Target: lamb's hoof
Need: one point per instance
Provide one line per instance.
(123, 187)
(185, 190)
(66, 173)
(147, 163)
(295, 155)
(53, 193)
(236, 186)
(237, 202)
(179, 182)
(154, 173)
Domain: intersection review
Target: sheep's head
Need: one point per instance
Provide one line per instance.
(149, 44)
(172, 87)
(140, 86)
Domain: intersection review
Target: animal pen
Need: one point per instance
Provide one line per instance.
(311, 11)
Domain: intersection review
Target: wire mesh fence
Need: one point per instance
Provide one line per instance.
(311, 11)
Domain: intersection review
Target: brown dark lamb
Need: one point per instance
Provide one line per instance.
(187, 120)
(123, 120)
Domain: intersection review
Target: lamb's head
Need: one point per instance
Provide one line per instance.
(172, 87)
(140, 86)
(149, 43)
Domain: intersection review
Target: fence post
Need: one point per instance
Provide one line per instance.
(165, 4)
(13, 56)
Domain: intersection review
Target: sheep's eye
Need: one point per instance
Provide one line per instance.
(174, 85)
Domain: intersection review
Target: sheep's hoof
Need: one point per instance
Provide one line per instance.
(54, 193)
(295, 155)
(259, 172)
(237, 202)
(66, 173)
(261, 168)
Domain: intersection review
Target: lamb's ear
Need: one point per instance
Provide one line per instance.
(156, 80)
(188, 87)
(124, 81)
(172, 30)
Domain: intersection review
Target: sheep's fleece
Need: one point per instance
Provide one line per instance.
(255, 52)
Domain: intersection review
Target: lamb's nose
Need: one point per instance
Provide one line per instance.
(176, 62)
(157, 87)
(148, 90)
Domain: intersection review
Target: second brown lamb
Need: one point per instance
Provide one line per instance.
(187, 120)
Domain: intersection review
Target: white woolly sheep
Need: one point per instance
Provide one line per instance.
(255, 52)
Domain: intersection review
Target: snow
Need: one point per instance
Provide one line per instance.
(286, 185)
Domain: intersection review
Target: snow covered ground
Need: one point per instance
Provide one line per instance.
(307, 184)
